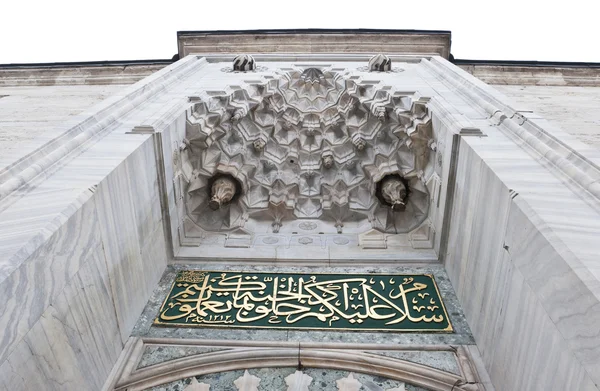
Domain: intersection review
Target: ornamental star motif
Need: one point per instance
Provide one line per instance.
(348, 384)
(247, 382)
(298, 381)
(195, 386)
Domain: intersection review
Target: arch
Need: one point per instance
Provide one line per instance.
(271, 357)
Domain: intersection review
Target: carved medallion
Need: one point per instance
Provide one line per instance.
(341, 241)
(305, 240)
(307, 225)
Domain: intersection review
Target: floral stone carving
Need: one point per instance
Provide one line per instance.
(307, 144)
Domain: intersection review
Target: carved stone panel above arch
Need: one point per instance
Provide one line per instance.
(310, 144)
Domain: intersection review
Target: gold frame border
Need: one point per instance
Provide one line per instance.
(449, 329)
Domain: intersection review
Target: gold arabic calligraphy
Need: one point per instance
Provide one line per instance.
(222, 298)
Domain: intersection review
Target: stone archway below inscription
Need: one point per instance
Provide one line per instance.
(224, 356)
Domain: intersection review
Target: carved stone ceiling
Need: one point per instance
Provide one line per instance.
(308, 144)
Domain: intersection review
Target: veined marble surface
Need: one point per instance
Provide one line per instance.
(86, 232)
(70, 307)
(520, 295)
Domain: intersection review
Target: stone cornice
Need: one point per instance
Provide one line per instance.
(315, 41)
(93, 73)
(540, 74)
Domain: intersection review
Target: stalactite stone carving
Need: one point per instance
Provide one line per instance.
(312, 75)
(380, 63)
(393, 191)
(359, 142)
(259, 145)
(307, 144)
(244, 63)
(222, 191)
(238, 114)
(380, 113)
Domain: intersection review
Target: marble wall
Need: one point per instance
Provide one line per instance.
(70, 306)
(31, 115)
(82, 245)
(574, 109)
(530, 314)
(82, 242)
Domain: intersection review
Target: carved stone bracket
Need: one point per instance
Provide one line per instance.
(380, 63)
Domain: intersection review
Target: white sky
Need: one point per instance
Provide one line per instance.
(61, 30)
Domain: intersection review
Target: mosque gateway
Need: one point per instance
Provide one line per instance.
(300, 210)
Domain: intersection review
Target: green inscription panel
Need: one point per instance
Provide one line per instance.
(373, 302)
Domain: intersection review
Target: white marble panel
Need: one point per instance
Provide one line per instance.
(515, 287)
(75, 342)
(23, 371)
(36, 282)
(575, 109)
(131, 227)
(570, 304)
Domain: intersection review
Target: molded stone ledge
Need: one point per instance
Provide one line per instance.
(534, 75)
(336, 41)
(361, 358)
(31, 75)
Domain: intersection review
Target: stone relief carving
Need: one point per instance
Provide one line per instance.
(308, 144)
(394, 192)
(221, 192)
(247, 382)
(298, 381)
(244, 63)
(307, 225)
(380, 63)
(305, 240)
(348, 384)
(195, 386)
